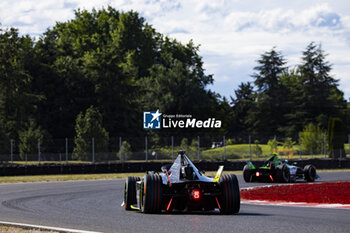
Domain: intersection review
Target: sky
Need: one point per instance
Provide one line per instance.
(231, 34)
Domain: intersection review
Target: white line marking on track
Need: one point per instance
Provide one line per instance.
(23, 225)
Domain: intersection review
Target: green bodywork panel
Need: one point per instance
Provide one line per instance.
(251, 166)
(274, 159)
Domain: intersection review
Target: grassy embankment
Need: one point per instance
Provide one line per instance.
(241, 152)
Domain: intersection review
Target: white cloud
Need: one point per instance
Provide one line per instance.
(33, 17)
(232, 34)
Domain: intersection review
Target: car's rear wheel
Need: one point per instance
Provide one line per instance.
(130, 192)
(230, 199)
(247, 174)
(151, 194)
(283, 174)
(310, 173)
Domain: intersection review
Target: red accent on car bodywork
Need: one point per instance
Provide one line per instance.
(217, 201)
(166, 171)
(168, 207)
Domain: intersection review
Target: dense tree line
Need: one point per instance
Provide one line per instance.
(109, 59)
(282, 101)
(111, 66)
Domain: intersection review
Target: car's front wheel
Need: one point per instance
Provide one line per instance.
(130, 192)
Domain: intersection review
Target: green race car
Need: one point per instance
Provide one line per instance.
(274, 170)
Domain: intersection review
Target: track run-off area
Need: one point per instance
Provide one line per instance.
(95, 206)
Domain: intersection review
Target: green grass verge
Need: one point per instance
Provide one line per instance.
(241, 152)
(49, 162)
(48, 178)
(233, 152)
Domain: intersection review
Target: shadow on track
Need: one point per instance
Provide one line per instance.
(253, 214)
(206, 213)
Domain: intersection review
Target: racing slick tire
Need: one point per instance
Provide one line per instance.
(283, 174)
(230, 199)
(130, 192)
(310, 173)
(247, 174)
(151, 194)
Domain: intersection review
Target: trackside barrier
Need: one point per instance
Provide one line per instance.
(51, 169)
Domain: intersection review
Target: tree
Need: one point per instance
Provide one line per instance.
(264, 116)
(336, 138)
(29, 139)
(194, 148)
(257, 149)
(17, 102)
(241, 104)
(286, 100)
(177, 82)
(94, 61)
(312, 138)
(4, 142)
(222, 110)
(116, 61)
(88, 126)
(294, 105)
(272, 143)
(184, 145)
(269, 70)
(288, 143)
(125, 151)
(320, 96)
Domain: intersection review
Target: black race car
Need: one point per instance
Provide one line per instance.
(274, 170)
(182, 187)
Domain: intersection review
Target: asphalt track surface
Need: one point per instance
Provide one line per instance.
(95, 206)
